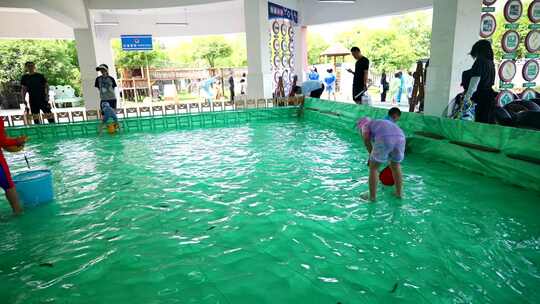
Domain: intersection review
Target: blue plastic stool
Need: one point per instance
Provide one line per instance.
(34, 187)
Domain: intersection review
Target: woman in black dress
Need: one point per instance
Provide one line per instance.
(385, 86)
(479, 101)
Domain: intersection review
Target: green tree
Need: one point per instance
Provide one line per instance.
(211, 49)
(56, 59)
(407, 40)
(316, 46)
(132, 59)
(386, 51)
(416, 27)
(182, 55)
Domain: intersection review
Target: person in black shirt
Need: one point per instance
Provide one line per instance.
(35, 84)
(385, 86)
(231, 86)
(361, 72)
(479, 90)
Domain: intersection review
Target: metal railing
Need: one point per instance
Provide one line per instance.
(150, 111)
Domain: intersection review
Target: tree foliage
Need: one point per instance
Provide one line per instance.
(211, 49)
(186, 53)
(398, 47)
(56, 59)
(316, 46)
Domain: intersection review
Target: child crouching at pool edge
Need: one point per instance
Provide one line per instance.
(108, 114)
(385, 142)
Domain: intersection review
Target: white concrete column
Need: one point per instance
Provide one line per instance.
(87, 64)
(104, 53)
(456, 24)
(259, 76)
(301, 64)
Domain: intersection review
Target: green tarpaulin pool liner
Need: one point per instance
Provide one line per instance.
(510, 154)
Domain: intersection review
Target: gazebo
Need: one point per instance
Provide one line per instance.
(334, 52)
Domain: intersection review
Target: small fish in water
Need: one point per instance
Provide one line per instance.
(355, 181)
(394, 288)
(163, 206)
(210, 228)
(112, 237)
(46, 265)
(176, 231)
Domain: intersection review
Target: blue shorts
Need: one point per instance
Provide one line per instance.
(388, 148)
(5, 176)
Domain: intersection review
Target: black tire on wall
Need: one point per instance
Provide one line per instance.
(502, 117)
(529, 119)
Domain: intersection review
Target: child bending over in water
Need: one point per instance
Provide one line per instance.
(384, 141)
(108, 114)
(5, 176)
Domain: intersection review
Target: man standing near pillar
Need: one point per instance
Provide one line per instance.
(106, 85)
(35, 84)
(361, 73)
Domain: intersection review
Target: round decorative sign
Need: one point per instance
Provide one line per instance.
(532, 41)
(276, 45)
(284, 61)
(275, 27)
(507, 71)
(284, 29)
(513, 10)
(531, 69)
(534, 11)
(276, 77)
(528, 94)
(291, 62)
(291, 77)
(285, 75)
(284, 45)
(505, 97)
(489, 2)
(291, 31)
(510, 41)
(277, 61)
(488, 25)
(291, 46)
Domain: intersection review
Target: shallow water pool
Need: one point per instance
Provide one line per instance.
(262, 213)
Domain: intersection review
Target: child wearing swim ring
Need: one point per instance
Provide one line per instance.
(385, 142)
(108, 114)
(5, 176)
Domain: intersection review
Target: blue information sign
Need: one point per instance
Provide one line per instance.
(136, 42)
(276, 11)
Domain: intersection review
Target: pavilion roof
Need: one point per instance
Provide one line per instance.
(336, 50)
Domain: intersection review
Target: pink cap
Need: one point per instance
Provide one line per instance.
(363, 122)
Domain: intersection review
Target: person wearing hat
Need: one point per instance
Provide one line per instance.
(105, 84)
(385, 142)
